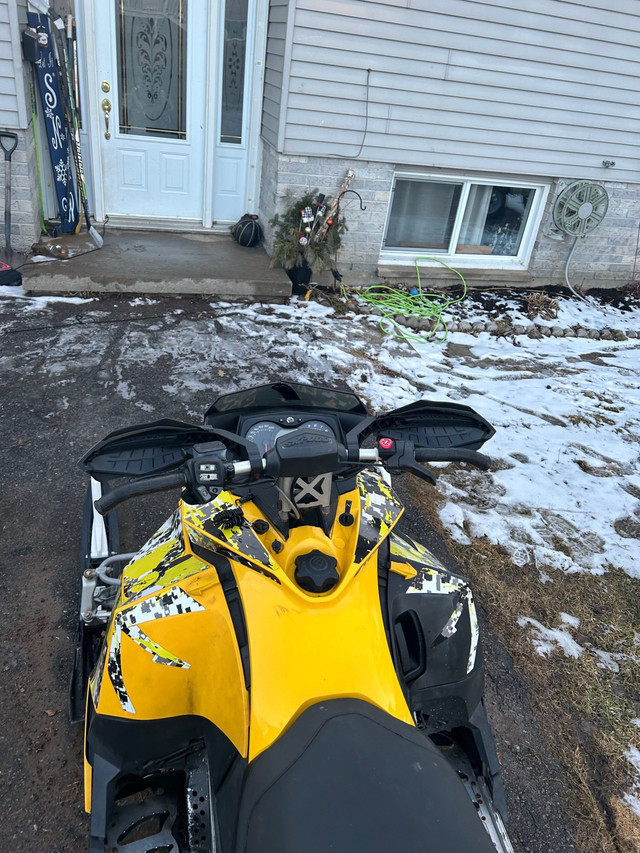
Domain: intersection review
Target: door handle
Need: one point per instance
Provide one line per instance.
(106, 109)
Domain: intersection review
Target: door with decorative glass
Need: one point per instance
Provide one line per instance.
(151, 71)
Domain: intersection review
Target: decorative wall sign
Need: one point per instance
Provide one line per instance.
(57, 132)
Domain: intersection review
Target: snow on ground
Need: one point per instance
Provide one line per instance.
(632, 799)
(33, 304)
(564, 490)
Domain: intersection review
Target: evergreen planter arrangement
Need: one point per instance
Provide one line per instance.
(307, 237)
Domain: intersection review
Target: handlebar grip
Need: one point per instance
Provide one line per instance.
(451, 454)
(138, 487)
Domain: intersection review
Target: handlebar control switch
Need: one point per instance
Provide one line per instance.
(316, 572)
(386, 447)
(209, 468)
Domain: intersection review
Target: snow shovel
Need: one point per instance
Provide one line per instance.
(8, 275)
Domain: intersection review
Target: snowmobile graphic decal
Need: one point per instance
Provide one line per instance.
(173, 602)
(239, 540)
(432, 578)
(379, 511)
(415, 555)
(160, 563)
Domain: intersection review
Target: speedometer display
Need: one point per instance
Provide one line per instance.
(264, 433)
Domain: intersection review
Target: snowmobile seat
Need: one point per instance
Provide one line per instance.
(347, 777)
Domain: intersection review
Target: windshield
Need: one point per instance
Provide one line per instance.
(291, 394)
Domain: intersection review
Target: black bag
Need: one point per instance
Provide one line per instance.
(9, 276)
(247, 230)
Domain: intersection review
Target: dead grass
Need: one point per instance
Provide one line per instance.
(541, 305)
(584, 707)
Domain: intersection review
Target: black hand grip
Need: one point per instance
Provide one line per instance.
(453, 454)
(138, 487)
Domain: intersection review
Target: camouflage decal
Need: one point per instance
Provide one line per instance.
(416, 555)
(473, 619)
(434, 579)
(160, 563)
(173, 602)
(379, 511)
(197, 537)
(452, 624)
(239, 540)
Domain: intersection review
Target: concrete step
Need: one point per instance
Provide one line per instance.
(155, 262)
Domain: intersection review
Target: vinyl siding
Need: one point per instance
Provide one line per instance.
(274, 77)
(12, 100)
(548, 88)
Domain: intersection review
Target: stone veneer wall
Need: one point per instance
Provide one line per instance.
(25, 215)
(604, 258)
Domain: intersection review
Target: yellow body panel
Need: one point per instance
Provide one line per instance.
(306, 648)
(171, 646)
(183, 664)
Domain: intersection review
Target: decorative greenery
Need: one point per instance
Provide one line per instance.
(296, 242)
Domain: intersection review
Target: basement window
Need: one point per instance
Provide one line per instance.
(459, 217)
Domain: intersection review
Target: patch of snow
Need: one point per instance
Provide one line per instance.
(32, 303)
(570, 620)
(632, 798)
(607, 660)
(546, 640)
(453, 518)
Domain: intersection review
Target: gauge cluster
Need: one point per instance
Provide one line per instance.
(264, 432)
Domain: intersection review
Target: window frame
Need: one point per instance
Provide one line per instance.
(520, 261)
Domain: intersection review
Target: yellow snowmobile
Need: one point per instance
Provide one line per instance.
(279, 668)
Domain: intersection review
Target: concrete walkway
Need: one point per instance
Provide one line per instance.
(155, 262)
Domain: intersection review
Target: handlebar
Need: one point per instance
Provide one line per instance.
(233, 470)
(139, 487)
(458, 454)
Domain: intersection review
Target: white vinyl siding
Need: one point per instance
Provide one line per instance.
(274, 77)
(8, 99)
(13, 110)
(549, 88)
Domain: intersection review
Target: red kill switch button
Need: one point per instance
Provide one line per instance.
(386, 443)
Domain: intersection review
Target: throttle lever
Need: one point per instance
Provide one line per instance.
(399, 455)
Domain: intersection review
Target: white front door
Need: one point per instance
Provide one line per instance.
(170, 82)
(152, 106)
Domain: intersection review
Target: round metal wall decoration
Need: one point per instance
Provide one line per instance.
(580, 208)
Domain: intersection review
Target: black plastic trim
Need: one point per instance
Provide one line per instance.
(234, 602)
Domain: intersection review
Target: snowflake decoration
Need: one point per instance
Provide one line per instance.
(62, 173)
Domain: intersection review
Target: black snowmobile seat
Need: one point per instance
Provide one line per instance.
(349, 778)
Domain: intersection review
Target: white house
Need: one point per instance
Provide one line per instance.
(463, 120)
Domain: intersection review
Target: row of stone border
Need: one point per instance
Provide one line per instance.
(507, 329)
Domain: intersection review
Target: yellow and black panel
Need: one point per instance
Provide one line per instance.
(172, 650)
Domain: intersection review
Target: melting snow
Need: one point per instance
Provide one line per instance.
(546, 640)
(632, 798)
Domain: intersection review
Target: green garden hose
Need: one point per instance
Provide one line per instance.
(392, 301)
